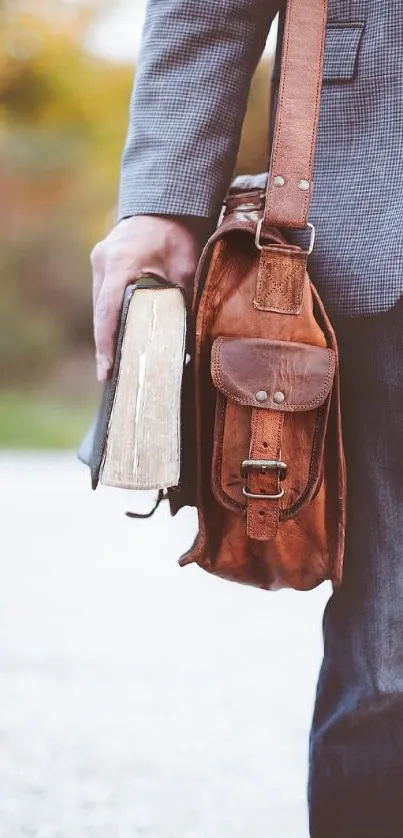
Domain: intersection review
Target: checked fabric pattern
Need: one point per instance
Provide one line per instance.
(188, 105)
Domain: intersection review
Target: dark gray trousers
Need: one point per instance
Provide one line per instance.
(356, 747)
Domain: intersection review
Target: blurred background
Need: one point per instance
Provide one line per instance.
(66, 72)
(137, 699)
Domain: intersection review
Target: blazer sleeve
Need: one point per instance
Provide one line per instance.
(196, 63)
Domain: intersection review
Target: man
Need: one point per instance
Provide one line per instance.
(196, 64)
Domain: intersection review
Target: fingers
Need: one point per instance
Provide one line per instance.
(118, 272)
(97, 259)
(106, 319)
(136, 246)
(103, 358)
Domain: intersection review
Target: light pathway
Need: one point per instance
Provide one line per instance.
(137, 698)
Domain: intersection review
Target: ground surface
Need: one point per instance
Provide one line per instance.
(137, 698)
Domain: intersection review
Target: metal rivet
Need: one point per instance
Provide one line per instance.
(261, 396)
(278, 181)
(279, 397)
(303, 185)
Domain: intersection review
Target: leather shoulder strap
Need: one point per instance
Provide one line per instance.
(289, 188)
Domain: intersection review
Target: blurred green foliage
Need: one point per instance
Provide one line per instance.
(31, 421)
(63, 119)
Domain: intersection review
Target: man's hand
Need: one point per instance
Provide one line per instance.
(166, 246)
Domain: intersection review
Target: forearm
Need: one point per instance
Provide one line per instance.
(188, 106)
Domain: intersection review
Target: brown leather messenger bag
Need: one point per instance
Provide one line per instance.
(270, 471)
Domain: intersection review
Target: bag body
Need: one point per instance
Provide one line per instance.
(270, 467)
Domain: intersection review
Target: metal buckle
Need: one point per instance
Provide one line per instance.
(263, 466)
(259, 232)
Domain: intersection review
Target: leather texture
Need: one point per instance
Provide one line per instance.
(263, 484)
(280, 281)
(242, 368)
(287, 204)
(243, 353)
(270, 470)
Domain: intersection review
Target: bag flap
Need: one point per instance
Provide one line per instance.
(276, 375)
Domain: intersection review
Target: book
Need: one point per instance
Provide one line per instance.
(136, 440)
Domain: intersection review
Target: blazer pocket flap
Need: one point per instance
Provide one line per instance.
(342, 47)
(276, 375)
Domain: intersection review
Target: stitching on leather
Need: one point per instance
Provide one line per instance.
(305, 406)
(269, 527)
(317, 102)
(279, 120)
(289, 287)
(276, 309)
(219, 424)
(308, 493)
(306, 197)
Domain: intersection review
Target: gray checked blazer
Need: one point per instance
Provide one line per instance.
(187, 109)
